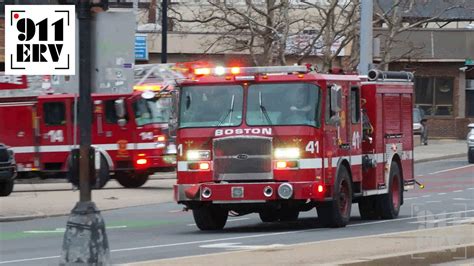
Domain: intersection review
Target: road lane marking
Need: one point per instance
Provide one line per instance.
(426, 196)
(433, 221)
(261, 235)
(62, 230)
(410, 198)
(450, 169)
(443, 193)
(231, 220)
(471, 188)
(462, 199)
(457, 191)
(463, 221)
(239, 246)
(433, 201)
(174, 211)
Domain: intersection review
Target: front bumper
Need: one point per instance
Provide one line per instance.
(247, 192)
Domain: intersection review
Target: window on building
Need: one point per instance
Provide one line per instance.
(54, 113)
(435, 95)
(470, 98)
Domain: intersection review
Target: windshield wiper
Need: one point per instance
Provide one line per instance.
(267, 117)
(229, 112)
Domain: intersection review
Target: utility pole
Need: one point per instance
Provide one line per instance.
(366, 36)
(164, 31)
(85, 240)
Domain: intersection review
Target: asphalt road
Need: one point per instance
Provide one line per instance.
(164, 231)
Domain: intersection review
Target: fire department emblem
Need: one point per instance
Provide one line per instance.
(122, 148)
(189, 143)
(241, 157)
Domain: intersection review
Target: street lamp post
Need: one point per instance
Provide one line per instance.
(85, 240)
(164, 31)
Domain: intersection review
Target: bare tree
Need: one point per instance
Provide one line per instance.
(394, 20)
(269, 30)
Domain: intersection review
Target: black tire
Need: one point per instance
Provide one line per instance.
(470, 155)
(210, 217)
(337, 212)
(389, 204)
(288, 215)
(368, 208)
(104, 175)
(268, 216)
(6, 188)
(129, 180)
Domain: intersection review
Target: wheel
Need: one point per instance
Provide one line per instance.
(268, 216)
(368, 208)
(129, 180)
(6, 188)
(470, 156)
(104, 174)
(337, 212)
(210, 217)
(389, 204)
(288, 215)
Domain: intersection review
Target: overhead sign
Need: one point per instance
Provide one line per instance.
(40, 39)
(141, 47)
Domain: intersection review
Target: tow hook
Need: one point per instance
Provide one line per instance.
(420, 185)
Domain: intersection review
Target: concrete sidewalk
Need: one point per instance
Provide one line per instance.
(440, 149)
(420, 247)
(36, 198)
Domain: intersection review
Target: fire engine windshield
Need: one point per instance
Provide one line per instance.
(283, 104)
(211, 106)
(155, 110)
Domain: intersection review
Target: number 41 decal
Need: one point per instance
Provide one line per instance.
(312, 146)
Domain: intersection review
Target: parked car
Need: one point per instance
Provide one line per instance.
(420, 126)
(470, 143)
(7, 170)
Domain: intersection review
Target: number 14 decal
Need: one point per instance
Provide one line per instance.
(312, 146)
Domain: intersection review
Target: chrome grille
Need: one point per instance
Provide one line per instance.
(242, 158)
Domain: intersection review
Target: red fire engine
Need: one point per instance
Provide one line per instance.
(129, 131)
(281, 140)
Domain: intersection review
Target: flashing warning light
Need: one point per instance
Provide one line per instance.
(219, 70)
(202, 71)
(235, 70)
(204, 166)
(320, 188)
(142, 161)
(146, 87)
(160, 138)
(281, 164)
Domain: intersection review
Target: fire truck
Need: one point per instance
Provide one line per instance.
(129, 131)
(280, 140)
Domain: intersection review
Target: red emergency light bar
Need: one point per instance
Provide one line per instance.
(219, 71)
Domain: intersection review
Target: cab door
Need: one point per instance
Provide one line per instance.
(55, 132)
(355, 132)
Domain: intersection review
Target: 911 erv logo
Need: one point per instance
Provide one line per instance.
(40, 39)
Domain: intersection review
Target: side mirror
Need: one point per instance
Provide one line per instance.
(173, 122)
(120, 108)
(336, 98)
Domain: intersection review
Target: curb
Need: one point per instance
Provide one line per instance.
(23, 217)
(457, 155)
(427, 257)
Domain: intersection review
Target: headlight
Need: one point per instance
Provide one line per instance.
(287, 153)
(196, 155)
